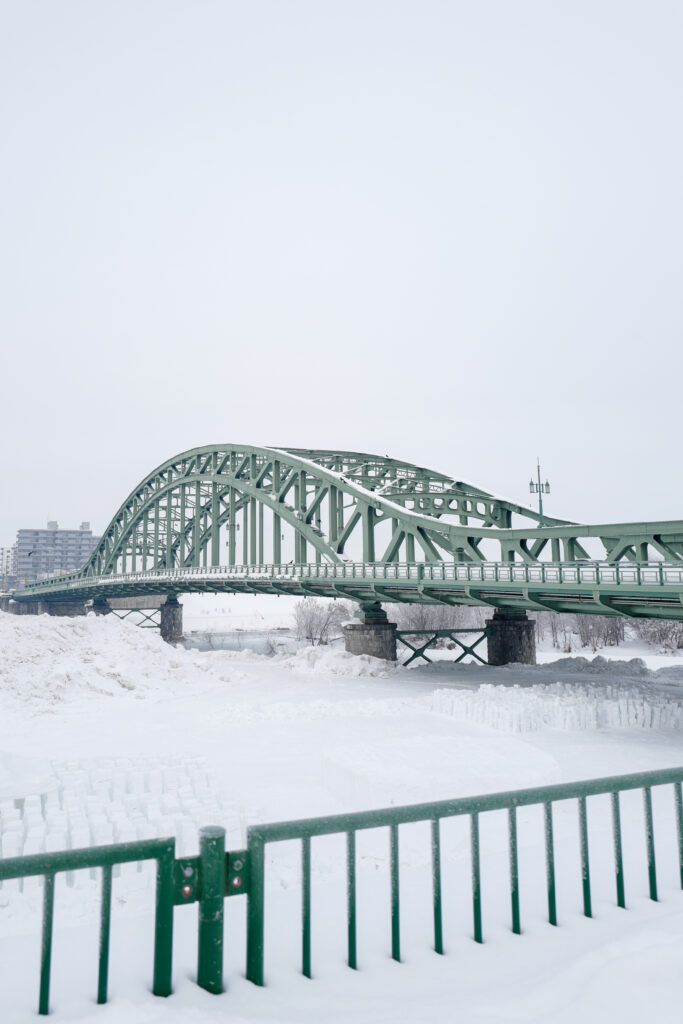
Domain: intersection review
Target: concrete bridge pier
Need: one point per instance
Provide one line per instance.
(511, 639)
(171, 615)
(373, 635)
(65, 607)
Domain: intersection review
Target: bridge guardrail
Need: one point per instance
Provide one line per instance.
(631, 574)
(216, 874)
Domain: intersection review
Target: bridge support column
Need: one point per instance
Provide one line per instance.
(511, 638)
(171, 615)
(101, 606)
(67, 608)
(373, 635)
(13, 607)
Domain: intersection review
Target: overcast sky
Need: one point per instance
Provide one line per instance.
(447, 231)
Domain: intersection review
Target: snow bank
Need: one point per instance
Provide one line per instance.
(633, 668)
(335, 662)
(566, 706)
(319, 660)
(48, 660)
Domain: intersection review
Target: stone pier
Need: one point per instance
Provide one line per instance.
(373, 635)
(68, 608)
(101, 606)
(171, 613)
(511, 639)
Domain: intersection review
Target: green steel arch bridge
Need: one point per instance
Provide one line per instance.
(245, 519)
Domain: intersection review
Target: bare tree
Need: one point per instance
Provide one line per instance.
(664, 633)
(317, 619)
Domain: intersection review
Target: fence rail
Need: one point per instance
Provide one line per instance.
(216, 874)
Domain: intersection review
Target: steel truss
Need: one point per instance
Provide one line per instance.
(235, 508)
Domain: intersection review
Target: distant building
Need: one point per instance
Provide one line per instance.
(47, 552)
(7, 574)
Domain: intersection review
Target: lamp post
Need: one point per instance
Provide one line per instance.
(539, 488)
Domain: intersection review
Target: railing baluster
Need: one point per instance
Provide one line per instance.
(650, 839)
(678, 796)
(585, 864)
(306, 906)
(618, 854)
(436, 886)
(105, 928)
(46, 944)
(351, 898)
(395, 908)
(476, 877)
(514, 869)
(550, 862)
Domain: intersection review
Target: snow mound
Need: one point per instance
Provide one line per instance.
(48, 660)
(320, 660)
(633, 668)
(566, 706)
(335, 662)
(598, 664)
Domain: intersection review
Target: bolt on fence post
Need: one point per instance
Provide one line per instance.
(212, 881)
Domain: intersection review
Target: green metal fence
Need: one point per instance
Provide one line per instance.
(392, 818)
(215, 874)
(105, 857)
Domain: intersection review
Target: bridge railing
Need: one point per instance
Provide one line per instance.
(631, 574)
(215, 874)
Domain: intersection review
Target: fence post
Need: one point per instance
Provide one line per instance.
(212, 888)
(255, 909)
(163, 926)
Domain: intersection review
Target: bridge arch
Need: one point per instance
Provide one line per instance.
(242, 504)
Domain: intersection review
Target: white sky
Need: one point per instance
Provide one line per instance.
(447, 231)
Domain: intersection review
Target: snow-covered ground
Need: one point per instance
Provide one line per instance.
(108, 734)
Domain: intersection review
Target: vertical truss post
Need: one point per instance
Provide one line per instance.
(245, 534)
(145, 539)
(253, 530)
(134, 547)
(277, 524)
(410, 547)
(169, 530)
(215, 531)
(157, 564)
(196, 525)
(368, 516)
(318, 523)
(332, 513)
(303, 554)
(181, 541)
(340, 513)
(231, 527)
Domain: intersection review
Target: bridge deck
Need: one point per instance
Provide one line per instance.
(652, 590)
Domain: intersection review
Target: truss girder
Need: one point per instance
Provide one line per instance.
(326, 506)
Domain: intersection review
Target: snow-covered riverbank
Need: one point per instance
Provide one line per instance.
(108, 734)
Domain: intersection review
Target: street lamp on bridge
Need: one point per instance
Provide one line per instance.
(539, 488)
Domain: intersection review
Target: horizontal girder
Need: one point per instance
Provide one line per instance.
(650, 591)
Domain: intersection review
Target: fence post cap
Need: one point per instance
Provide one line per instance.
(212, 832)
